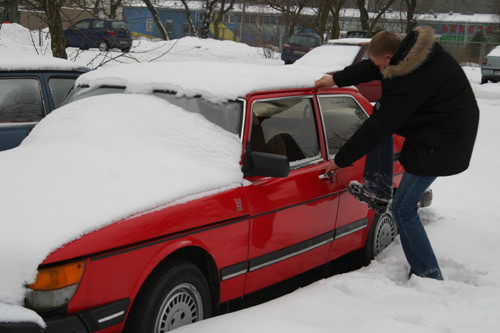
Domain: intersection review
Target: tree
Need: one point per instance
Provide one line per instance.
(335, 8)
(209, 15)
(190, 19)
(411, 22)
(220, 16)
(293, 11)
(58, 42)
(363, 15)
(157, 20)
(9, 10)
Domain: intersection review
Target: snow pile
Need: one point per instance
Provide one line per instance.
(15, 60)
(96, 161)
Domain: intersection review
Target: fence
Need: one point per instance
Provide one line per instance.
(472, 52)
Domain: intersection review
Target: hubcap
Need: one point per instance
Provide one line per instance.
(182, 306)
(384, 234)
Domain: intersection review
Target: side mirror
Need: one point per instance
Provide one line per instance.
(265, 164)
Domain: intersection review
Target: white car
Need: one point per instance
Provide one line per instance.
(490, 68)
(337, 54)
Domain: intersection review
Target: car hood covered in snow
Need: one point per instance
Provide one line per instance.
(97, 161)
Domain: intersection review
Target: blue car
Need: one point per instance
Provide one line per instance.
(98, 33)
(31, 86)
(298, 45)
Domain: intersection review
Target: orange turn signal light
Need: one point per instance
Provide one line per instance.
(57, 277)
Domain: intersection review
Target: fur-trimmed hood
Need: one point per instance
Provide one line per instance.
(413, 52)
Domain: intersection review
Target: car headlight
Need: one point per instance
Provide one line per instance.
(54, 286)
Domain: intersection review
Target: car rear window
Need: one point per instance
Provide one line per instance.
(307, 41)
(117, 25)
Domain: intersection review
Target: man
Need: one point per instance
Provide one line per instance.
(427, 99)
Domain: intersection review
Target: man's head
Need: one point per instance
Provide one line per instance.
(382, 48)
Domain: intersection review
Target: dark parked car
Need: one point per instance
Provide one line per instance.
(31, 86)
(490, 68)
(98, 33)
(339, 53)
(298, 45)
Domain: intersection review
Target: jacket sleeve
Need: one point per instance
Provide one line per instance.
(363, 71)
(388, 116)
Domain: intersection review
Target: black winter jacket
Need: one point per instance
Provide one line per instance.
(427, 99)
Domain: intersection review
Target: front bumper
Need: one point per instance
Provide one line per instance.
(87, 321)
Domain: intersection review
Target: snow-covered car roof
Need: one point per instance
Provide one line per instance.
(19, 61)
(495, 52)
(215, 82)
(349, 41)
(328, 58)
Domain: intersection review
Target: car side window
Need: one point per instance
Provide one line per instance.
(21, 100)
(342, 116)
(286, 127)
(82, 25)
(59, 88)
(98, 24)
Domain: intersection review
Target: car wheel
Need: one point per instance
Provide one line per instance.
(484, 80)
(382, 232)
(175, 295)
(103, 46)
(126, 50)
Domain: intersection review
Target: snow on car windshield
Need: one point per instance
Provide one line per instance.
(99, 160)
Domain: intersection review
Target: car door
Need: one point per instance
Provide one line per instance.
(292, 218)
(342, 115)
(96, 32)
(77, 35)
(21, 107)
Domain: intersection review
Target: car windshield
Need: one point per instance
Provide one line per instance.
(228, 115)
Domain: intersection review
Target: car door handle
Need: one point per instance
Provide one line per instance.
(328, 175)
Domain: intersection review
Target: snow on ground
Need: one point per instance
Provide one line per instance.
(463, 225)
(13, 36)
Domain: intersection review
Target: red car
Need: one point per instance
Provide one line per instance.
(176, 264)
(336, 55)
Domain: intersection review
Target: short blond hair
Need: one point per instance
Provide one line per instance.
(384, 42)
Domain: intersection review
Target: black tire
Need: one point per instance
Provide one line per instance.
(174, 295)
(103, 46)
(484, 80)
(382, 232)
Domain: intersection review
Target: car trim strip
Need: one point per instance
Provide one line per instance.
(351, 228)
(297, 204)
(169, 237)
(290, 251)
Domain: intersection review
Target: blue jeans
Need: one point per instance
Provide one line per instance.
(378, 178)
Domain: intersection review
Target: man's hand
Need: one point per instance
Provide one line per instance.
(325, 82)
(332, 167)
